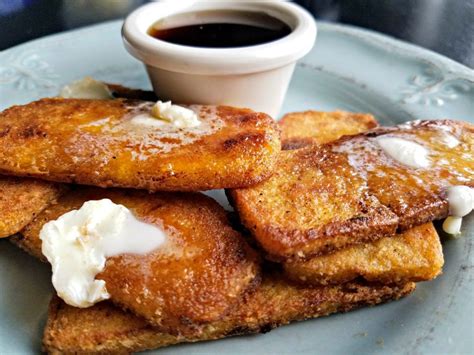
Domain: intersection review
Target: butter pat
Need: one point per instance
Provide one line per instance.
(449, 140)
(461, 203)
(461, 200)
(452, 225)
(78, 243)
(404, 151)
(179, 116)
(87, 88)
(145, 120)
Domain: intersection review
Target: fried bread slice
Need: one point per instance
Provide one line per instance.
(324, 198)
(21, 200)
(314, 203)
(96, 142)
(299, 129)
(201, 272)
(415, 255)
(416, 196)
(106, 329)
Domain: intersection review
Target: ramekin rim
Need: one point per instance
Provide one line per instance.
(198, 60)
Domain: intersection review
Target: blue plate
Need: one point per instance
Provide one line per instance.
(349, 69)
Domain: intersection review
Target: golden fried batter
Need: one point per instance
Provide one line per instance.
(323, 198)
(416, 196)
(199, 275)
(299, 129)
(107, 329)
(95, 142)
(21, 200)
(314, 203)
(415, 255)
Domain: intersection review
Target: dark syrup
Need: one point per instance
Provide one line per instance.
(252, 29)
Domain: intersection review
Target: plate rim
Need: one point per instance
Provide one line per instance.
(386, 41)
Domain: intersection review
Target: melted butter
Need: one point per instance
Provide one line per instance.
(461, 200)
(78, 243)
(87, 88)
(179, 116)
(404, 151)
(448, 166)
(449, 149)
(144, 141)
(146, 120)
(452, 225)
(461, 203)
(449, 140)
(163, 113)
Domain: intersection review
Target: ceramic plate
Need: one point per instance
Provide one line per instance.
(349, 69)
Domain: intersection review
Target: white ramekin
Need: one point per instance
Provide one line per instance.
(255, 76)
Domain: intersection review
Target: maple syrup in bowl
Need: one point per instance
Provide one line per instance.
(220, 29)
(233, 53)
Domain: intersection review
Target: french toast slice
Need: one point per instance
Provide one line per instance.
(21, 199)
(327, 197)
(314, 203)
(95, 142)
(299, 129)
(412, 256)
(196, 277)
(416, 196)
(104, 328)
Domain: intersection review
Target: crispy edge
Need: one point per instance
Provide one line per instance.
(247, 156)
(299, 129)
(106, 329)
(415, 255)
(21, 199)
(433, 208)
(242, 265)
(373, 221)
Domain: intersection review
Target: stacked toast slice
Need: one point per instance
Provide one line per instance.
(327, 197)
(335, 223)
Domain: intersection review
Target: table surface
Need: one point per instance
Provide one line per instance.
(445, 26)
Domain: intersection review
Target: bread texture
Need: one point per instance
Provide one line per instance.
(105, 328)
(98, 142)
(412, 256)
(199, 274)
(327, 197)
(22, 199)
(299, 129)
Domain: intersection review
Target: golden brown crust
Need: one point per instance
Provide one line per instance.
(415, 255)
(416, 196)
(92, 142)
(21, 200)
(324, 198)
(299, 129)
(314, 203)
(106, 329)
(198, 276)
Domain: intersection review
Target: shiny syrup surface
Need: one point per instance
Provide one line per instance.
(242, 30)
